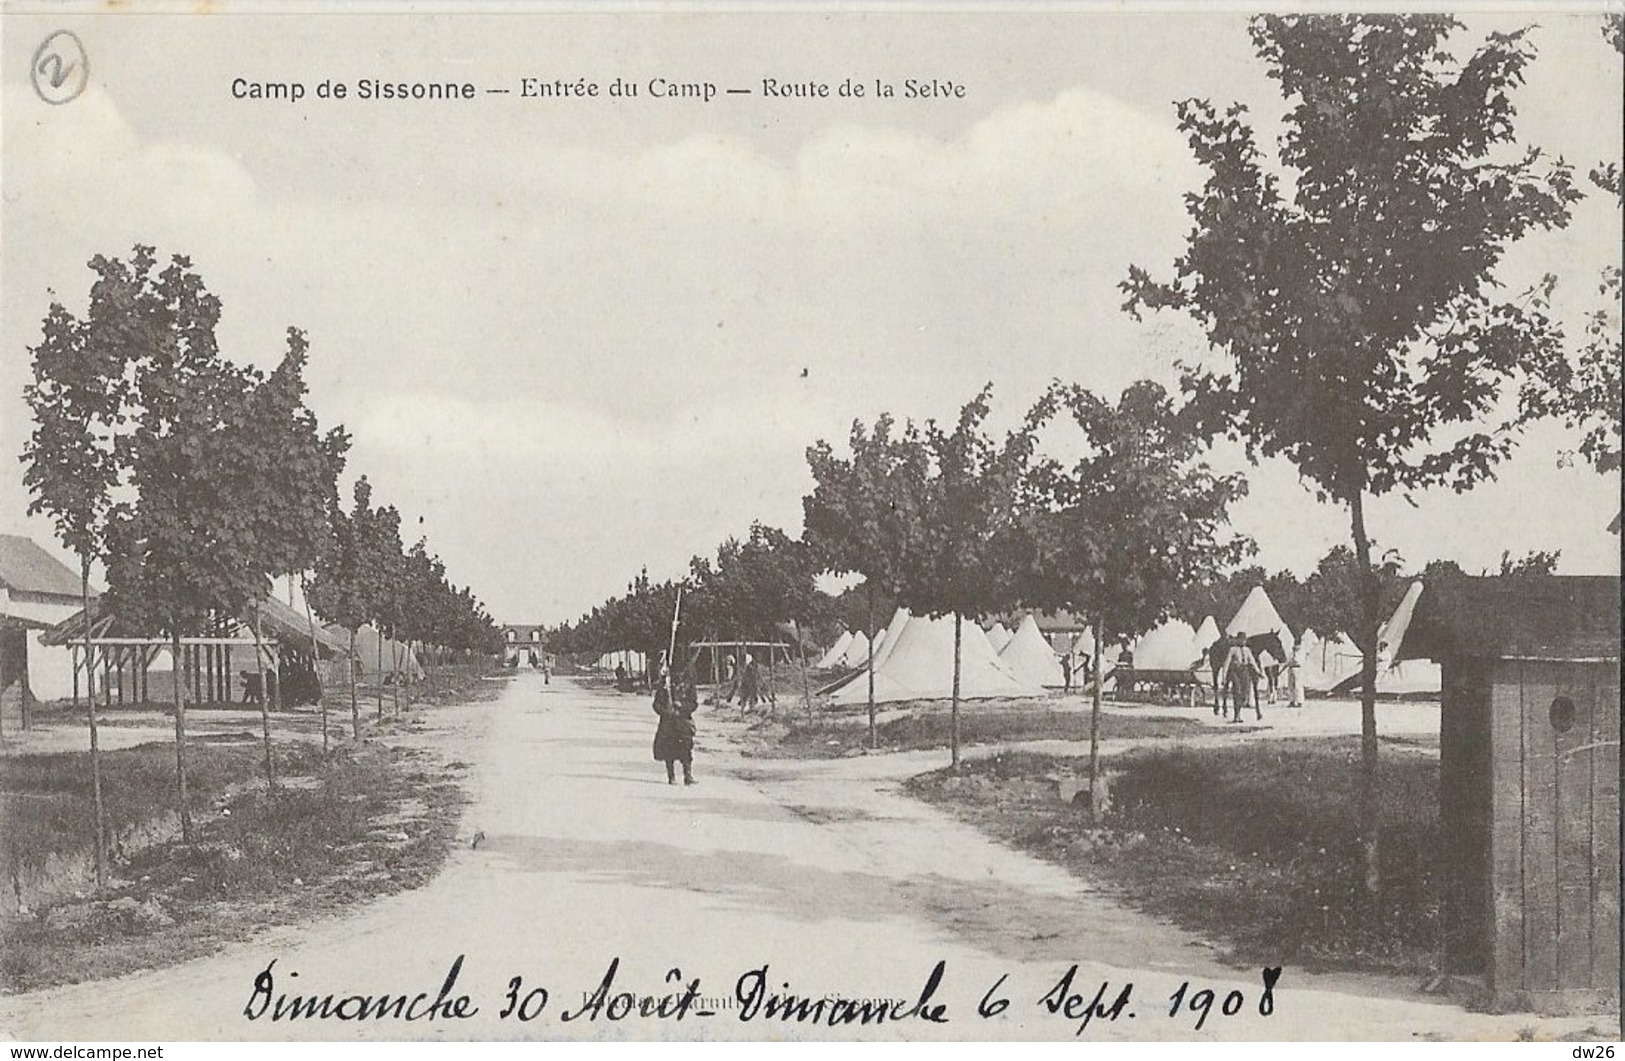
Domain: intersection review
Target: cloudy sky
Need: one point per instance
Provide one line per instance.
(574, 337)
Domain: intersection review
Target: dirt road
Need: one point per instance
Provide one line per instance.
(821, 872)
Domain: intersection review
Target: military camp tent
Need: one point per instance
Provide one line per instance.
(1257, 615)
(919, 666)
(1171, 646)
(391, 659)
(857, 651)
(1029, 657)
(999, 636)
(836, 652)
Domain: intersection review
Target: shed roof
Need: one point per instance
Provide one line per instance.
(27, 568)
(277, 621)
(1552, 616)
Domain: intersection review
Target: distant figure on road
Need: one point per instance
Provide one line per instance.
(730, 674)
(620, 678)
(750, 683)
(674, 737)
(1239, 675)
(1066, 672)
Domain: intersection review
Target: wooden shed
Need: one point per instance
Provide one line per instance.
(1529, 777)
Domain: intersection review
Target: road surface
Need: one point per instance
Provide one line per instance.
(816, 879)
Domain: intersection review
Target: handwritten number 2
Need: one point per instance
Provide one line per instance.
(51, 66)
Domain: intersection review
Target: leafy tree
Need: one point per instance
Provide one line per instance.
(1346, 285)
(282, 475)
(759, 583)
(863, 513)
(77, 399)
(178, 555)
(1119, 534)
(341, 588)
(968, 507)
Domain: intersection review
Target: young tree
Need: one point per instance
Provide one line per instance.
(177, 555)
(863, 513)
(1346, 285)
(341, 587)
(968, 509)
(281, 475)
(1119, 534)
(769, 580)
(77, 399)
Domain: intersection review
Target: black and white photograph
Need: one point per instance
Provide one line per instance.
(809, 522)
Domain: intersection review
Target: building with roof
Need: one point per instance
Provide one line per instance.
(523, 645)
(37, 591)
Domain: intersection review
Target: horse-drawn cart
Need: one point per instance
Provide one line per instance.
(1178, 685)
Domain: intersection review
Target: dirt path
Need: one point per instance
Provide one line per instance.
(821, 870)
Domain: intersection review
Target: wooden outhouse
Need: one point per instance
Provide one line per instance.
(1529, 777)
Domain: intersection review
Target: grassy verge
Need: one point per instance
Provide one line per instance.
(1252, 846)
(926, 726)
(364, 820)
(46, 802)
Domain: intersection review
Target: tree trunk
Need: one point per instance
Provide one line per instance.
(315, 658)
(265, 702)
(953, 718)
(801, 657)
(180, 730)
(1370, 604)
(95, 745)
(1094, 727)
(874, 739)
(355, 706)
(380, 674)
(395, 686)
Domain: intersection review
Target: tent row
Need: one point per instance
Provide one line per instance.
(999, 661)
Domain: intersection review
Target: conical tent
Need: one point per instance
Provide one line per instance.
(832, 658)
(999, 636)
(1257, 615)
(1084, 645)
(1029, 657)
(878, 640)
(888, 636)
(1171, 646)
(397, 657)
(1411, 677)
(1207, 634)
(1393, 631)
(1324, 663)
(920, 667)
(857, 652)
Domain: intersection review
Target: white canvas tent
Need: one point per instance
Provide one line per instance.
(1029, 657)
(878, 641)
(367, 653)
(999, 636)
(1324, 663)
(1392, 632)
(1207, 634)
(1257, 615)
(919, 666)
(857, 651)
(888, 637)
(1171, 646)
(833, 657)
(1084, 645)
(632, 660)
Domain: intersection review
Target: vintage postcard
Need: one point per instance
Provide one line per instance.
(809, 522)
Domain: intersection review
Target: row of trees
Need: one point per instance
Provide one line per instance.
(194, 482)
(1346, 283)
